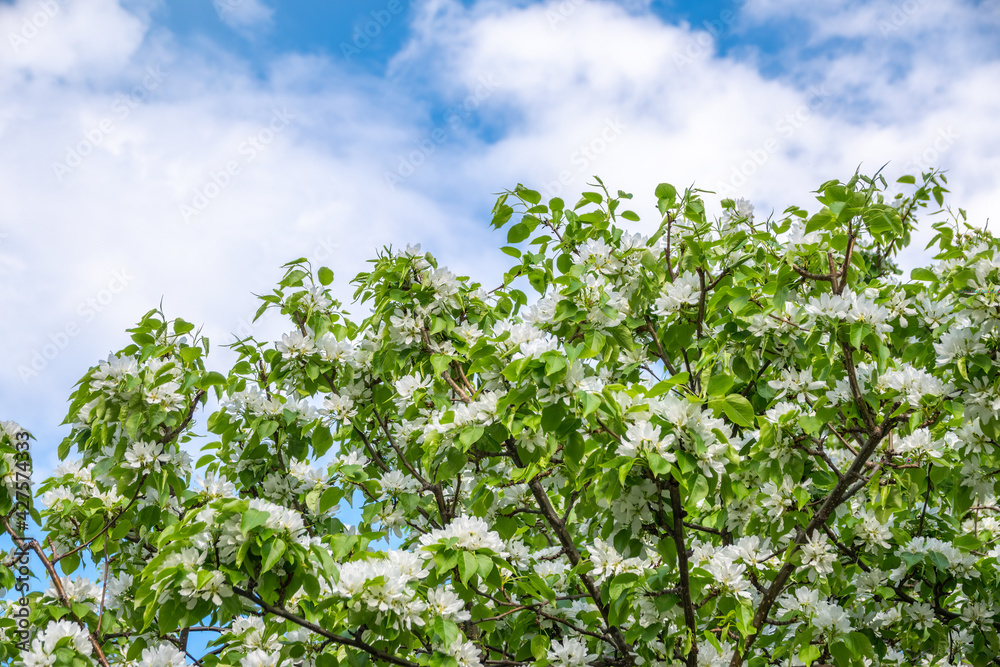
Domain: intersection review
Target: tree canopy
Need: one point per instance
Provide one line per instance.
(735, 441)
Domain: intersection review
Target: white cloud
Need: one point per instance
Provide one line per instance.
(692, 116)
(64, 37)
(243, 14)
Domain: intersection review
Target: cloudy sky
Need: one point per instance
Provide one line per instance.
(184, 149)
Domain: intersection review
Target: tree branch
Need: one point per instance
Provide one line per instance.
(337, 639)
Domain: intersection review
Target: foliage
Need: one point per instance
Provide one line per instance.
(732, 442)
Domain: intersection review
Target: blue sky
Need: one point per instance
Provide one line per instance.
(184, 150)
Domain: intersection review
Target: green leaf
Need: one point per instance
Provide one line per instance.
(325, 276)
(518, 233)
(273, 550)
(739, 410)
(509, 250)
(330, 498)
(467, 566)
(574, 450)
(718, 385)
(251, 519)
(321, 440)
(120, 530)
(212, 378)
(590, 402)
(659, 465)
(539, 646)
(809, 654)
(666, 191)
(454, 461)
(446, 630)
(530, 196)
(70, 563)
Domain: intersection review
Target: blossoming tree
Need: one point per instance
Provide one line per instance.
(735, 441)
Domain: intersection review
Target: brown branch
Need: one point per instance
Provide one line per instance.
(677, 532)
(566, 540)
(659, 347)
(837, 495)
(58, 557)
(33, 544)
(337, 639)
(187, 419)
(701, 299)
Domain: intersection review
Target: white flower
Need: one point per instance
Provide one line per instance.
(470, 533)
(742, 208)
(442, 601)
(339, 407)
(259, 658)
(817, 556)
(805, 600)
(729, 575)
(571, 652)
(295, 344)
(919, 443)
(828, 305)
(871, 531)
(921, 614)
(115, 369)
(408, 385)
(395, 482)
(606, 560)
(912, 383)
(465, 653)
(867, 582)
(280, 518)
(163, 654)
(798, 238)
(331, 349)
(145, 456)
(978, 612)
(217, 487)
(685, 290)
(444, 282)
(831, 618)
(308, 477)
(537, 347)
(44, 645)
(165, 394)
(214, 588)
(958, 342)
(468, 332)
(796, 381)
(780, 410)
(642, 437)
